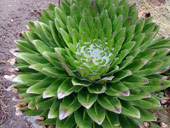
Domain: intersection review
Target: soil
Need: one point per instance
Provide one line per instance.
(14, 15)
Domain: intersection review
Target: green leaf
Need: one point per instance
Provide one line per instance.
(130, 33)
(160, 53)
(69, 122)
(150, 68)
(146, 115)
(112, 12)
(120, 57)
(88, 18)
(69, 105)
(46, 16)
(97, 89)
(29, 78)
(41, 47)
(97, 113)
(110, 103)
(59, 24)
(52, 58)
(75, 13)
(111, 120)
(117, 23)
(65, 89)
(136, 94)
(59, 14)
(31, 58)
(148, 103)
(84, 4)
(44, 104)
(59, 53)
(93, 76)
(149, 27)
(107, 28)
(105, 79)
(25, 46)
(51, 7)
(119, 34)
(130, 110)
(82, 119)
(56, 72)
(66, 36)
(33, 112)
(117, 89)
(54, 109)
(134, 81)
(126, 122)
(51, 91)
(83, 72)
(126, 62)
(139, 26)
(128, 22)
(138, 39)
(156, 84)
(83, 27)
(128, 46)
(71, 24)
(54, 35)
(86, 99)
(65, 6)
(121, 75)
(136, 65)
(79, 82)
(39, 87)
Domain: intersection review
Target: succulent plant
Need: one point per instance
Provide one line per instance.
(91, 64)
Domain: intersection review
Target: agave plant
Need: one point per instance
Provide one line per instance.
(91, 64)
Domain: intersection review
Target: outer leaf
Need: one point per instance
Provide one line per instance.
(68, 106)
(111, 120)
(39, 87)
(69, 122)
(78, 82)
(86, 99)
(146, 115)
(54, 109)
(121, 74)
(51, 91)
(82, 119)
(96, 113)
(97, 89)
(148, 103)
(126, 122)
(65, 89)
(110, 103)
(117, 89)
(136, 94)
(130, 110)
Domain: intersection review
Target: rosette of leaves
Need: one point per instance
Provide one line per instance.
(91, 64)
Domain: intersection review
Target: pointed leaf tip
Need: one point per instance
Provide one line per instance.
(61, 95)
(117, 110)
(88, 106)
(45, 95)
(63, 114)
(125, 93)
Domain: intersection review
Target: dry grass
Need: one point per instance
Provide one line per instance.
(160, 10)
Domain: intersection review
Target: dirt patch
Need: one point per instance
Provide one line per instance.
(160, 10)
(14, 15)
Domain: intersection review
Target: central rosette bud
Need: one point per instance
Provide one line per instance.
(94, 54)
